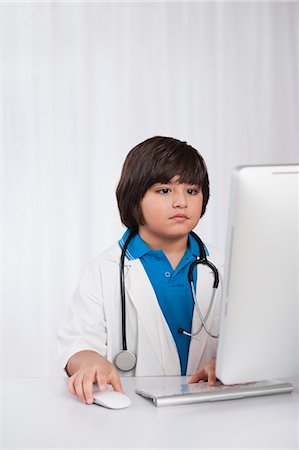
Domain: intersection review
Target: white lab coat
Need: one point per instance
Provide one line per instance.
(93, 318)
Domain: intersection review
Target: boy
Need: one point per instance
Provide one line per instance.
(162, 193)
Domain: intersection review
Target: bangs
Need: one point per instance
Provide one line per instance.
(185, 175)
(185, 164)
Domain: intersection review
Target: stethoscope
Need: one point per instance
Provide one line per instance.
(126, 360)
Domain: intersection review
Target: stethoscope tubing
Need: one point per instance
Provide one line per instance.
(202, 319)
(123, 289)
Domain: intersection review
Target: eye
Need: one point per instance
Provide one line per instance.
(163, 191)
(192, 191)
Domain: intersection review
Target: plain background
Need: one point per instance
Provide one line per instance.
(82, 83)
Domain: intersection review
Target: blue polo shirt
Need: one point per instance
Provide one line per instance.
(171, 287)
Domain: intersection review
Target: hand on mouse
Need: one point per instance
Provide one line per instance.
(206, 373)
(87, 367)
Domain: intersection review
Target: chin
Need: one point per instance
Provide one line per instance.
(180, 231)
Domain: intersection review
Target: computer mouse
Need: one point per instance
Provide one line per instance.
(111, 399)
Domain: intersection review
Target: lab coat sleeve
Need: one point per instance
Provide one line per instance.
(84, 325)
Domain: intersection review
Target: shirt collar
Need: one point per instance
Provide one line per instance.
(194, 248)
(138, 248)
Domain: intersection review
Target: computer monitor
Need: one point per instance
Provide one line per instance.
(259, 311)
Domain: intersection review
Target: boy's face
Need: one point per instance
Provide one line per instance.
(171, 210)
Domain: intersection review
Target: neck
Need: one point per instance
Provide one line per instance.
(173, 247)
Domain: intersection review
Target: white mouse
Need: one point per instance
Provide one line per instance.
(111, 399)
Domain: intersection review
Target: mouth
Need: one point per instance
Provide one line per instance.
(179, 217)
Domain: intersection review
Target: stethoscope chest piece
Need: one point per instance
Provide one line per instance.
(125, 360)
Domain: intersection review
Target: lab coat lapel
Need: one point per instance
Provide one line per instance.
(142, 295)
(204, 288)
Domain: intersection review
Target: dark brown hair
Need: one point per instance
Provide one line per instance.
(157, 160)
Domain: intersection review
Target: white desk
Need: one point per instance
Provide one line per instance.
(39, 413)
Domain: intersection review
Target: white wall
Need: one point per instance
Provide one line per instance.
(82, 83)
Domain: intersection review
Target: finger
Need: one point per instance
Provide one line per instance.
(79, 388)
(200, 375)
(70, 384)
(102, 381)
(211, 378)
(88, 388)
(116, 384)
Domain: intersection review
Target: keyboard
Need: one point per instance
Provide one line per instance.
(165, 394)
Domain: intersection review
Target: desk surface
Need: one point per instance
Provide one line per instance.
(40, 413)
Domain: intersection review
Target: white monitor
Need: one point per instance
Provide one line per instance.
(259, 311)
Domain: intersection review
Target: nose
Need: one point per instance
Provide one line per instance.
(180, 200)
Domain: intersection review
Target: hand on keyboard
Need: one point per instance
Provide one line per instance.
(206, 373)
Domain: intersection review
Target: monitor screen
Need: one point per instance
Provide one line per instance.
(259, 311)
